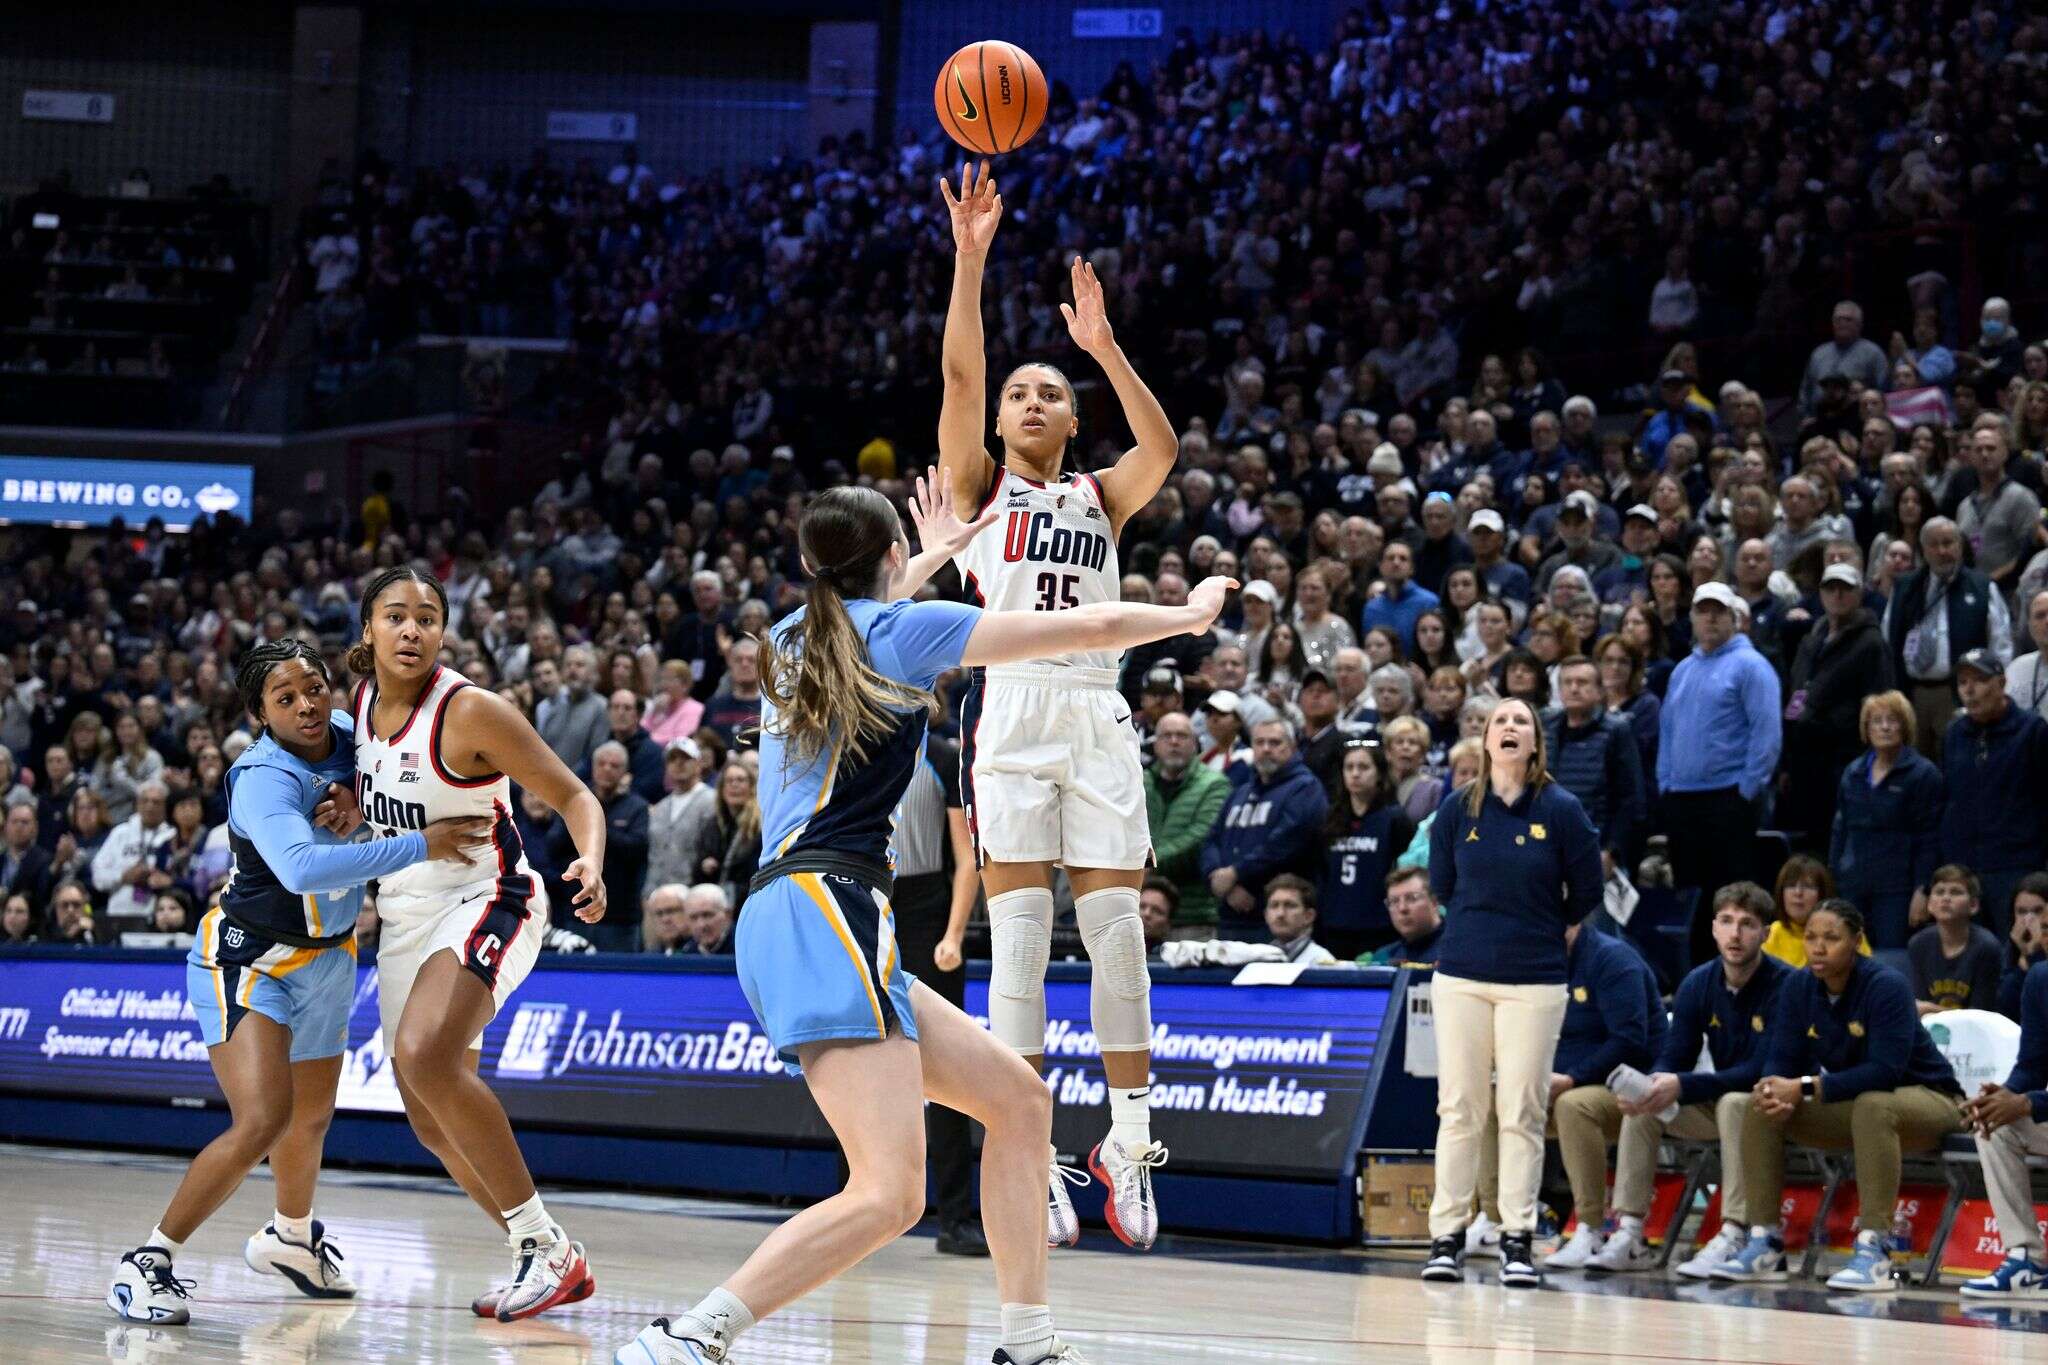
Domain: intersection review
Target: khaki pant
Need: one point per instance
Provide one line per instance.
(2010, 1184)
(1635, 1160)
(1494, 1046)
(1877, 1126)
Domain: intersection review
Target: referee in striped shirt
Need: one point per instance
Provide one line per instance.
(937, 882)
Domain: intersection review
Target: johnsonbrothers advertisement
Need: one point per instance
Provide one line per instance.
(1265, 1079)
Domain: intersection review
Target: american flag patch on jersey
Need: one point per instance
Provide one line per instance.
(408, 767)
(408, 760)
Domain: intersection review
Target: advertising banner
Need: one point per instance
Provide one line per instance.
(1268, 1080)
(45, 491)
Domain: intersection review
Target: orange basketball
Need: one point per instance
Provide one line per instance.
(991, 97)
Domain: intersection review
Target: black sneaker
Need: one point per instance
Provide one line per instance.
(1518, 1263)
(962, 1239)
(1446, 1263)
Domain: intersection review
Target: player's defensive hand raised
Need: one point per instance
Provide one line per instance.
(589, 902)
(976, 209)
(937, 516)
(1208, 597)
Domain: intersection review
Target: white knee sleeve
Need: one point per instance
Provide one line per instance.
(1020, 946)
(1121, 995)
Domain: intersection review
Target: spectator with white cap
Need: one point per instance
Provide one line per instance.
(1842, 660)
(2026, 681)
(677, 822)
(1995, 760)
(1504, 578)
(1718, 743)
(1629, 579)
(1222, 731)
(1260, 602)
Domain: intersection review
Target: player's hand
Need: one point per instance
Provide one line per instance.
(975, 210)
(461, 840)
(937, 516)
(589, 903)
(1087, 319)
(946, 955)
(338, 814)
(1208, 598)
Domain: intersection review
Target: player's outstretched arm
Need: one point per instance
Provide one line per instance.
(963, 416)
(494, 734)
(1002, 637)
(1144, 467)
(941, 533)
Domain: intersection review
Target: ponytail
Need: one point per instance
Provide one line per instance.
(825, 691)
(361, 659)
(823, 686)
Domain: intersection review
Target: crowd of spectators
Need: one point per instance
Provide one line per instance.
(1342, 268)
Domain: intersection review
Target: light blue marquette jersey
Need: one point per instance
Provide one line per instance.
(816, 942)
(839, 804)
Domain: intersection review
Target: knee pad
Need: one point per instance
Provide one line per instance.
(1020, 946)
(1121, 993)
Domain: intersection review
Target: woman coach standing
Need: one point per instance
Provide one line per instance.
(1513, 860)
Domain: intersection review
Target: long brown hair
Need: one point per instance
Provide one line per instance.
(1539, 761)
(818, 677)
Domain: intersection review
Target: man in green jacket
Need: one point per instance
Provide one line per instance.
(1182, 800)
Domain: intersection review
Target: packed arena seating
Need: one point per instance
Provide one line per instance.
(116, 310)
(1413, 262)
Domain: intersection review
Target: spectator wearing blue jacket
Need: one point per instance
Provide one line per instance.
(1514, 862)
(1995, 760)
(1401, 601)
(1717, 745)
(1723, 1006)
(1612, 1016)
(1849, 1068)
(1887, 836)
(2011, 1123)
(1271, 824)
(1593, 755)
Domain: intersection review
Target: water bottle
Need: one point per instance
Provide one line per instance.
(1900, 1244)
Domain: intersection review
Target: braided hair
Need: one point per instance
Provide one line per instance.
(257, 662)
(362, 660)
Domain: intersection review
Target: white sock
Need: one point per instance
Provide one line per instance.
(1027, 1332)
(1734, 1227)
(159, 1238)
(1773, 1230)
(1632, 1223)
(720, 1315)
(295, 1230)
(1130, 1117)
(531, 1220)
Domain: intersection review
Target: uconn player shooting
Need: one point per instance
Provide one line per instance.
(272, 978)
(1049, 758)
(846, 698)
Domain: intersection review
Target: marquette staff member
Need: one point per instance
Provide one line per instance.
(1514, 861)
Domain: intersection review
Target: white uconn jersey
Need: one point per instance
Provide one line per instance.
(402, 784)
(1052, 548)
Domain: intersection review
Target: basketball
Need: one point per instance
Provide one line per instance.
(990, 97)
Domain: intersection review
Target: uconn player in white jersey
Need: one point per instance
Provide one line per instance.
(1049, 759)
(459, 938)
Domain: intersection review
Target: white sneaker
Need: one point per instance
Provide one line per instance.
(1482, 1238)
(657, 1344)
(315, 1269)
(546, 1274)
(146, 1290)
(1583, 1245)
(1625, 1252)
(1062, 1224)
(1731, 1239)
(1129, 1208)
(1062, 1354)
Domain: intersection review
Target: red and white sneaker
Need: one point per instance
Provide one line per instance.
(547, 1274)
(1130, 1211)
(485, 1305)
